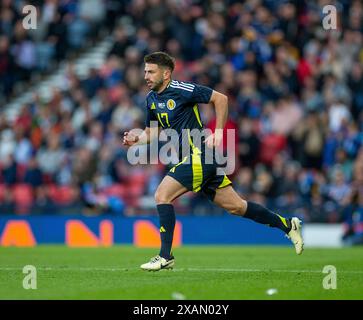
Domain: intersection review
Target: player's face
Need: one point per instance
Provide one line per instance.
(154, 76)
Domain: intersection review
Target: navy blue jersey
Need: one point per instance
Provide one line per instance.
(177, 108)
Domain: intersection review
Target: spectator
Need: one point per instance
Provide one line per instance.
(295, 95)
(309, 136)
(249, 143)
(125, 115)
(6, 67)
(338, 190)
(84, 166)
(51, 157)
(33, 174)
(9, 171)
(7, 145)
(23, 149)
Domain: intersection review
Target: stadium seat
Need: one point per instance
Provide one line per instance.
(117, 190)
(2, 192)
(23, 195)
(132, 201)
(135, 189)
(138, 179)
(52, 190)
(62, 195)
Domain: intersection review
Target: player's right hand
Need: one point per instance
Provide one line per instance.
(130, 139)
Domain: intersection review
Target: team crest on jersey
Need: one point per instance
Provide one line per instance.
(170, 104)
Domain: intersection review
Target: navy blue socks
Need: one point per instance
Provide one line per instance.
(167, 224)
(255, 212)
(260, 214)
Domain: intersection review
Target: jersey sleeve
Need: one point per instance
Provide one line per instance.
(150, 115)
(200, 94)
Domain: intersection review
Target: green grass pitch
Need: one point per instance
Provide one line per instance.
(201, 272)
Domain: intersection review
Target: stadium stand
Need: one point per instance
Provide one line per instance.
(295, 97)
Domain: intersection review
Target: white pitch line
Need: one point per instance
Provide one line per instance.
(71, 269)
(262, 270)
(191, 269)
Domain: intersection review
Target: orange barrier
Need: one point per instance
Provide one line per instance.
(78, 234)
(17, 233)
(146, 235)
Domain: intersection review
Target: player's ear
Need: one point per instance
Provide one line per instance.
(166, 73)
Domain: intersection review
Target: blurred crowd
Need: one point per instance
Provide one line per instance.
(295, 99)
(62, 28)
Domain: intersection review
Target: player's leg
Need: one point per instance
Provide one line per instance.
(228, 199)
(168, 190)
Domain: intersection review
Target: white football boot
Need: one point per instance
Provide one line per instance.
(295, 235)
(157, 263)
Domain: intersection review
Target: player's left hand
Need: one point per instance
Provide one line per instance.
(215, 139)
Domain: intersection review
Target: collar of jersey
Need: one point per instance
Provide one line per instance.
(165, 88)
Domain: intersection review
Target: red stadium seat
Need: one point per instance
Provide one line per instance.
(2, 192)
(52, 191)
(117, 189)
(132, 201)
(138, 179)
(66, 195)
(23, 195)
(135, 189)
(62, 195)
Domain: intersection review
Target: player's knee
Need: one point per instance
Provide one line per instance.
(238, 209)
(161, 197)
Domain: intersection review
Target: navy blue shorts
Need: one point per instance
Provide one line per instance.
(197, 176)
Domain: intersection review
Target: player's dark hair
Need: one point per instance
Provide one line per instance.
(161, 59)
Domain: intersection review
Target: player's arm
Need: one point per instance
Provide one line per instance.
(150, 132)
(220, 102)
(146, 136)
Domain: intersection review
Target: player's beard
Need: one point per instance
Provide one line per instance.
(157, 85)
